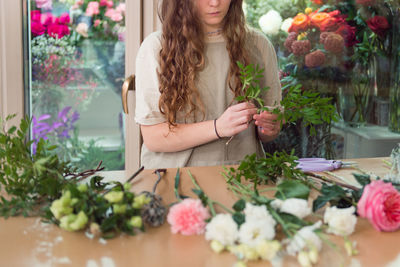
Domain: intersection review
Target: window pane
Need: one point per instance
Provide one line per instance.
(348, 51)
(77, 65)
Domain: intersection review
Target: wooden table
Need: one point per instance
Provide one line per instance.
(29, 242)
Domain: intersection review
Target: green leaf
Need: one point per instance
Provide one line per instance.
(292, 189)
(239, 205)
(362, 179)
(239, 218)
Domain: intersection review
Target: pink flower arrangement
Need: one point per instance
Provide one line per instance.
(188, 217)
(42, 23)
(45, 4)
(380, 204)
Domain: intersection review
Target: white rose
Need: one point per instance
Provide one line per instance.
(258, 213)
(296, 206)
(305, 237)
(82, 28)
(286, 24)
(223, 229)
(276, 204)
(340, 221)
(253, 232)
(270, 22)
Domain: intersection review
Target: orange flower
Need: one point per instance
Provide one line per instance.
(320, 19)
(300, 22)
(318, 2)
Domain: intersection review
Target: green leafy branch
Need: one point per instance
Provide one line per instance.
(297, 103)
(262, 170)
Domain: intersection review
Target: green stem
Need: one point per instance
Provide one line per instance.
(222, 206)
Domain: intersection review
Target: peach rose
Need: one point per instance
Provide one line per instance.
(300, 22)
(380, 204)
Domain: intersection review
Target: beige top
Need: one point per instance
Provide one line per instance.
(215, 94)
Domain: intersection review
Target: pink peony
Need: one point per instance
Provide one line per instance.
(57, 30)
(92, 9)
(45, 4)
(37, 28)
(103, 2)
(64, 18)
(188, 217)
(380, 204)
(96, 23)
(113, 14)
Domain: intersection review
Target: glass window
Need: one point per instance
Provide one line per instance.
(348, 51)
(77, 67)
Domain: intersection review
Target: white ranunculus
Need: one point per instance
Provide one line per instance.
(305, 237)
(258, 213)
(253, 232)
(340, 221)
(296, 206)
(286, 24)
(223, 229)
(270, 23)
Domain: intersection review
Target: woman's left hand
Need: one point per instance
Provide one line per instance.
(268, 125)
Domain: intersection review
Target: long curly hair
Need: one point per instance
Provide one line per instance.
(182, 55)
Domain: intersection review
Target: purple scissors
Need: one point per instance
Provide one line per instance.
(318, 164)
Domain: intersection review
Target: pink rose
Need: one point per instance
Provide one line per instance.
(64, 18)
(35, 15)
(103, 2)
(37, 28)
(92, 9)
(113, 14)
(45, 4)
(110, 3)
(96, 23)
(57, 30)
(380, 204)
(188, 217)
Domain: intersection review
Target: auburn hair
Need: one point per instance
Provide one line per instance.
(182, 55)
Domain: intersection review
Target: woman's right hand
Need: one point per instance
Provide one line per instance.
(235, 119)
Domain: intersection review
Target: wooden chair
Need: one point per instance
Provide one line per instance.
(134, 141)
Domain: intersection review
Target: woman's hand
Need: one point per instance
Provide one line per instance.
(235, 119)
(268, 125)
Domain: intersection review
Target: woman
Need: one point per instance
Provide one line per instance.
(186, 82)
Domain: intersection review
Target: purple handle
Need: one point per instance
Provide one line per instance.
(315, 166)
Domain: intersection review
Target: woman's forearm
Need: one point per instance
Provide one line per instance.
(159, 138)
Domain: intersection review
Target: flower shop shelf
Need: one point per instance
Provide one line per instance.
(43, 244)
(364, 142)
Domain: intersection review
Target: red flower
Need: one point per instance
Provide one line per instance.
(378, 25)
(57, 30)
(64, 18)
(318, 2)
(348, 33)
(37, 28)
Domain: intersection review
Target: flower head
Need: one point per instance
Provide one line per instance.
(223, 229)
(296, 206)
(300, 48)
(334, 43)
(380, 204)
(379, 25)
(271, 22)
(286, 24)
(314, 59)
(340, 221)
(258, 213)
(252, 232)
(188, 217)
(289, 41)
(304, 238)
(301, 22)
